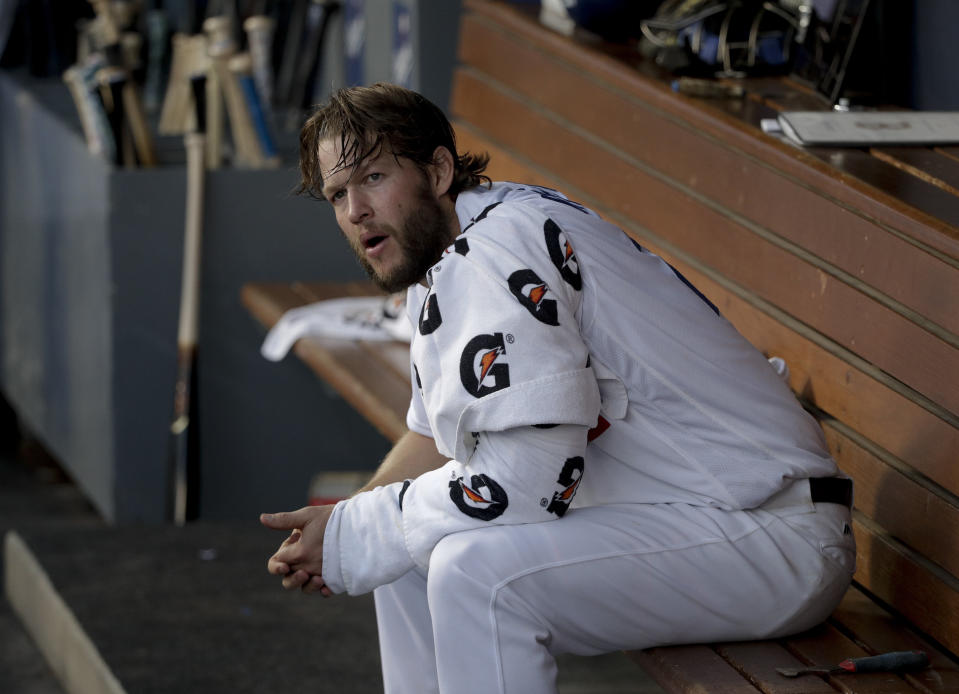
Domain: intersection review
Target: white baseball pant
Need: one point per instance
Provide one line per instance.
(499, 603)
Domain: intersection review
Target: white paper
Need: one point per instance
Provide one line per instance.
(859, 128)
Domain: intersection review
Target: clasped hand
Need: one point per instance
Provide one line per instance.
(299, 560)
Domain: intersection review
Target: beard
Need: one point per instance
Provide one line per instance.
(421, 239)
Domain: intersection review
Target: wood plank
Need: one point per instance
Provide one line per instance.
(503, 165)
(826, 646)
(691, 669)
(925, 163)
(370, 376)
(927, 597)
(952, 152)
(904, 506)
(881, 632)
(758, 660)
(629, 76)
(268, 302)
(901, 185)
(880, 335)
(798, 214)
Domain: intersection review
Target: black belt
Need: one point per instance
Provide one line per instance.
(831, 490)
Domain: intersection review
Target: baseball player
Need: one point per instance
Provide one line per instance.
(596, 460)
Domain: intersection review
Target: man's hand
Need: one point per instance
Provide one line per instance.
(300, 558)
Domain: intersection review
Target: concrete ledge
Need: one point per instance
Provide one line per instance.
(163, 609)
(71, 654)
(143, 609)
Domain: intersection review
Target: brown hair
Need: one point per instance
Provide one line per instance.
(363, 119)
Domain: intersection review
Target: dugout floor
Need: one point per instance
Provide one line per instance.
(158, 609)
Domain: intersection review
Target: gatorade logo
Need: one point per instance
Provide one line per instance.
(483, 366)
(430, 318)
(532, 292)
(460, 245)
(561, 253)
(569, 479)
(482, 498)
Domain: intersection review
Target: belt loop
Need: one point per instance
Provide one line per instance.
(797, 493)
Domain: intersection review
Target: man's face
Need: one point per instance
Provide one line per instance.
(390, 213)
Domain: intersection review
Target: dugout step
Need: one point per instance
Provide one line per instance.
(163, 609)
(166, 609)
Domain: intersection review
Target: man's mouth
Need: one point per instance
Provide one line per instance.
(373, 241)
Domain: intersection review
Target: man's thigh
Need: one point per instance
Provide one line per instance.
(627, 576)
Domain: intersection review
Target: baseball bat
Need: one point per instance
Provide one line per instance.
(241, 66)
(217, 36)
(291, 52)
(220, 49)
(85, 40)
(135, 116)
(156, 30)
(112, 81)
(189, 56)
(93, 118)
(131, 45)
(187, 50)
(170, 122)
(317, 21)
(109, 33)
(184, 466)
(259, 39)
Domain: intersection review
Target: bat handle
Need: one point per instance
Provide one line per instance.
(896, 661)
(156, 23)
(259, 32)
(114, 80)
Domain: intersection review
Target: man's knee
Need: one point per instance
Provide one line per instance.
(463, 564)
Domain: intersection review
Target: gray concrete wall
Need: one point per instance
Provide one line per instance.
(90, 275)
(55, 323)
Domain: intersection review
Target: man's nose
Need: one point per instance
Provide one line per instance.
(358, 208)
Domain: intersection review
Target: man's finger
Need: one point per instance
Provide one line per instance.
(294, 537)
(315, 585)
(277, 567)
(284, 521)
(280, 566)
(297, 579)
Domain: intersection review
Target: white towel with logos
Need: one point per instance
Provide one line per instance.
(374, 318)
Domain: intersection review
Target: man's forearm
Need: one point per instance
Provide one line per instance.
(412, 455)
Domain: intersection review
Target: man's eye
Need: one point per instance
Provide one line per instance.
(338, 195)
(374, 177)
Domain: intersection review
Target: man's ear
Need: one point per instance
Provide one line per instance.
(441, 171)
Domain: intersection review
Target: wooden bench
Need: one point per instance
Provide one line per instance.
(844, 262)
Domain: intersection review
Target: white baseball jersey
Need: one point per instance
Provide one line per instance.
(554, 358)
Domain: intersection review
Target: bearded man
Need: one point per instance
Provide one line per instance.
(596, 460)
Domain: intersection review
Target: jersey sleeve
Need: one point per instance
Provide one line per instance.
(521, 475)
(505, 384)
(497, 342)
